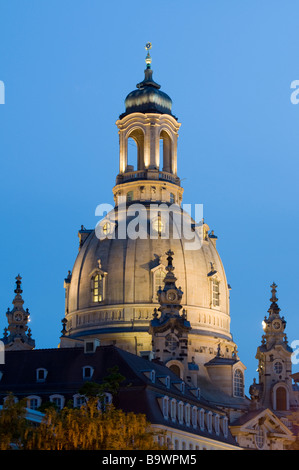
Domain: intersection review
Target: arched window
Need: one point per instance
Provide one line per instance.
(209, 421)
(166, 151)
(202, 419)
(172, 198)
(79, 400)
(217, 422)
(58, 400)
(181, 412)
(33, 402)
(173, 410)
(165, 406)
(187, 414)
(194, 417)
(135, 150)
(238, 383)
(41, 374)
(225, 426)
(215, 293)
(281, 399)
(158, 281)
(98, 288)
(87, 372)
(174, 368)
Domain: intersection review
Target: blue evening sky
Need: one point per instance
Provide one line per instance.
(67, 67)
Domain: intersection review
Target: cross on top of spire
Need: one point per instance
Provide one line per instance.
(18, 289)
(274, 307)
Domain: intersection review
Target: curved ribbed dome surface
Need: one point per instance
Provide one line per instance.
(130, 267)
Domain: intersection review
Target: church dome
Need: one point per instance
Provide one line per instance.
(112, 291)
(131, 272)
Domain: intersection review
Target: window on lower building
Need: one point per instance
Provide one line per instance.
(187, 414)
(33, 402)
(194, 416)
(209, 421)
(217, 427)
(238, 383)
(173, 410)
(225, 426)
(41, 374)
(87, 372)
(58, 401)
(79, 400)
(181, 412)
(202, 419)
(165, 402)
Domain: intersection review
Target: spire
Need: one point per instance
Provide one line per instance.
(274, 325)
(274, 309)
(148, 59)
(170, 331)
(18, 289)
(17, 335)
(148, 73)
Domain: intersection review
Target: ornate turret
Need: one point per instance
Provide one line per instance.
(170, 330)
(274, 389)
(18, 335)
(149, 122)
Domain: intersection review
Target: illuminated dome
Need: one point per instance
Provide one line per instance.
(111, 292)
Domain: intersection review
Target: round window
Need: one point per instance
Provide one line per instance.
(278, 367)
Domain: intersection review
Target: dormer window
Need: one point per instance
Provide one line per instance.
(187, 414)
(165, 406)
(167, 382)
(181, 412)
(215, 293)
(209, 421)
(194, 417)
(87, 372)
(153, 376)
(33, 402)
(238, 383)
(202, 419)
(41, 374)
(217, 424)
(98, 288)
(79, 400)
(225, 426)
(173, 410)
(58, 401)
